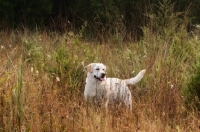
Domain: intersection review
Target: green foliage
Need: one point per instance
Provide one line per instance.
(19, 99)
(34, 54)
(166, 22)
(117, 20)
(63, 61)
(191, 90)
(167, 35)
(192, 93)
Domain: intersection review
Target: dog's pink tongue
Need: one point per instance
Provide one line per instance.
(102, 79)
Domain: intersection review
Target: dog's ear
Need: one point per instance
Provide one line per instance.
(89, 67)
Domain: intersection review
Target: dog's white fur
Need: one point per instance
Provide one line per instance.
(111, 90)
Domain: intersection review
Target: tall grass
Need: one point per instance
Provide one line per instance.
(42, 80)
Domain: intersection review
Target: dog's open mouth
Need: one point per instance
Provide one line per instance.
(99, 78)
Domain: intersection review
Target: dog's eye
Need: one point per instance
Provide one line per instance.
(103, 69)
(97, 69)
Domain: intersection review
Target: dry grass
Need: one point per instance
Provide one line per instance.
(33, 99)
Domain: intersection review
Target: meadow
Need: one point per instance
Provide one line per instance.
(42, 82)
(42, 79)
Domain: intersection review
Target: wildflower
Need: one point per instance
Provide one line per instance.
(172, 86)
(31, 69)
(82, 63)
(198, 26)
(37, 72)
(71, 33)
(57, 79)
(23, 129)
(49, 57)
(29, 53)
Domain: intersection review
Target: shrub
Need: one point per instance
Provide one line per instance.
(192, 90)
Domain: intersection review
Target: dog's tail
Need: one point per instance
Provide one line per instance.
(137, 78)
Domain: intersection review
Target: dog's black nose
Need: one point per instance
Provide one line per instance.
(103, 75)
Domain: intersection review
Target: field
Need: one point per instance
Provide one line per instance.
(42, 82)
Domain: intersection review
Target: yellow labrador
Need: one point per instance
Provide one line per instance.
(111, 90)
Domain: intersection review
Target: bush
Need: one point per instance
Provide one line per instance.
(192, 91)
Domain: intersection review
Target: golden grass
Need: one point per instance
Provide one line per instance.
(46, 103)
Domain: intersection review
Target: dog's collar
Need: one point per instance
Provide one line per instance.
(98, 78)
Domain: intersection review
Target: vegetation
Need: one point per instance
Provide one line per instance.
(104, 18)
(42, 79)
(192, 92)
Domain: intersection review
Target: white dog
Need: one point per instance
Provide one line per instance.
(111, 90)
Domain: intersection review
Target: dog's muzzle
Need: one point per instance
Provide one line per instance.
(101, 78)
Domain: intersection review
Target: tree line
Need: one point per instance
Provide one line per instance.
(95, 16)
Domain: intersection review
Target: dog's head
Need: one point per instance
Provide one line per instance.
(98, 70)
